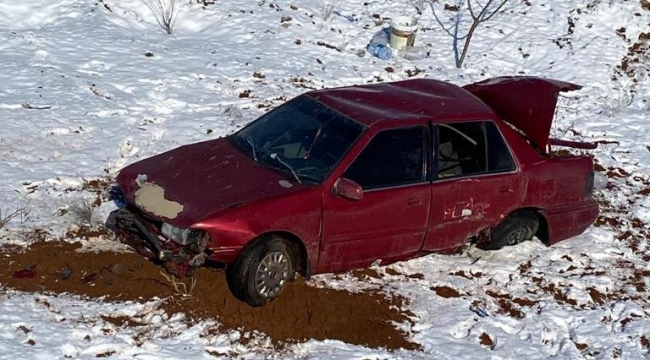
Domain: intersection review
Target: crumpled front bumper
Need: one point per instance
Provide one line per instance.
(143, 235)
(133, 231)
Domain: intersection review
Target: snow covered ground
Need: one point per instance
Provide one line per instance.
(89, 86)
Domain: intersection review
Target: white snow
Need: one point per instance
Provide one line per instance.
(80, 98)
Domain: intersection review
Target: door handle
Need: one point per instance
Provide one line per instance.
(413, 202)
(505, 189)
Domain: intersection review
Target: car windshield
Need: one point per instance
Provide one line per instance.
(303, 138)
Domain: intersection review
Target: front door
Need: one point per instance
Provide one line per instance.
(390, 221)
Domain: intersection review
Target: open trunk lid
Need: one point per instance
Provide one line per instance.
(526, 102)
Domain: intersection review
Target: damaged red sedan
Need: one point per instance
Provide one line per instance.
(339, 178)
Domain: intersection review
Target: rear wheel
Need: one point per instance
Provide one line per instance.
(261, 271)
(516, 228)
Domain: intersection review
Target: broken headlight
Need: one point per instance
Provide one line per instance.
(181, 235)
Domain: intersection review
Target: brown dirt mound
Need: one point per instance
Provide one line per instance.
(446, 292)
(301, 312)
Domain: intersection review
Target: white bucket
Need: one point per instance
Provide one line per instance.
(402, 32)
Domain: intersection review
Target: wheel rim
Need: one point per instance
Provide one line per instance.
(517, 236)
(272, 273)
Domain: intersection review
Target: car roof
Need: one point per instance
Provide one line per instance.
(425, 99)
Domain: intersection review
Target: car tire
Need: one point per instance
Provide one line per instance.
(261, 271)
(515, 229)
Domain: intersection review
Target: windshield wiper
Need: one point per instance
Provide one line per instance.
(308, 177)
(250, 142)
(275, 157)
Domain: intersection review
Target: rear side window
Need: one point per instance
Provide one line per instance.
(471, 148)
(391, 158)
(499, 156)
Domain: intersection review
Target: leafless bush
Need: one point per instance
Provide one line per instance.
(83, 211)
(328, 8)
(22, 213)
(478, 13)
(165, 12)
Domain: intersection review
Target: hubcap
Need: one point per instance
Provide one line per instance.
(272, 273)
(517, 236)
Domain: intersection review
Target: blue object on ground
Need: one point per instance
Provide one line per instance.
(381, 51)
(378, 45)
(116, 194)
(350, 18)
(478, 311)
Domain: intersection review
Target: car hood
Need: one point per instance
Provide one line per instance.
(527, 103)
(187, 184)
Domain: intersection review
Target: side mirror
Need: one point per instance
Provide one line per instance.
(347, 189)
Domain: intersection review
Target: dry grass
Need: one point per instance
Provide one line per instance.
(22, 213)
(328, 8)
(82, 212)
(165, 12)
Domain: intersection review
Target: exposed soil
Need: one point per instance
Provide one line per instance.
(301, 312)
(596, 296)
(470, 275)
(486, 341)
(635, 63)
(645, 342)
(446, 291)
(581, 346)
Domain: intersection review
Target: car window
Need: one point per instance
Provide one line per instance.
(302, 136)
(471, 148)
(391, 158)
(499, 156)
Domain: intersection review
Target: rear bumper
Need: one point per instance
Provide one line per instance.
(570, 220)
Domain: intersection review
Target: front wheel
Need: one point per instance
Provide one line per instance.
(261, 271)
(514, 229)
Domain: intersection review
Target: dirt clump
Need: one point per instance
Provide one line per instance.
(470, 275)
(392, 272)
(596, 296)
(88, 232)
(486, 341)
(506, 301)
(417, 276)
(301, 312)
(365, 273)
(645, 343)
(446, 291)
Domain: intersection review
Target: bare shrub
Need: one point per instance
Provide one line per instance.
(83, 211)
(165, 12)
(328, 8)
(22, 213)
(478, 13)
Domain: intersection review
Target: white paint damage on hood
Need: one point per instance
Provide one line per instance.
(151, 198)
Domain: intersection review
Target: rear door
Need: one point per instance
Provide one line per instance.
(475, 183)
(391, 219)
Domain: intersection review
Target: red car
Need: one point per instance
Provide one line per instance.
(337, 179)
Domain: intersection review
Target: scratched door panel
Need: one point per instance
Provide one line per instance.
(448, 225)
(493, 198)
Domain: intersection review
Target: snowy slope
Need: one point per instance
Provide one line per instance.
(87, 87)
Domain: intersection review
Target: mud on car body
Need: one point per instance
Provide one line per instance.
(339, 178)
